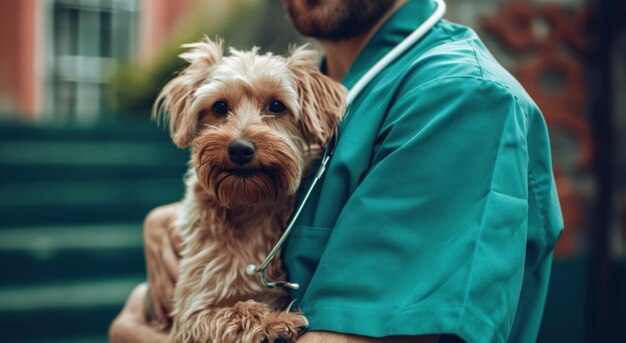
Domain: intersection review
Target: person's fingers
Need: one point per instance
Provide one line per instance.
(170, 260)
(173, 234)
(176, 240)
(162, 291)
(159, 311)
(169, 303)
(167, 292)
(156, 291)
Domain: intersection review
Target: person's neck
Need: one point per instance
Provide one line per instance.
(340, 55)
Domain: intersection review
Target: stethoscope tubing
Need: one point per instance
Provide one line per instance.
(398, 50)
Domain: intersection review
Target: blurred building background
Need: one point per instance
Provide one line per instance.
(81, 165)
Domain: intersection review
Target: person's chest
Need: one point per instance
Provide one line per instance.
(359, 141)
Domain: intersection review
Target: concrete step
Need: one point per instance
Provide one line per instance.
(19, 173)
(49, 153)
(84, 202)
(72, 200)
(46, 160)
(31, 255)
(90, 153)
(129, 130)
(97, 192)
(62, 311)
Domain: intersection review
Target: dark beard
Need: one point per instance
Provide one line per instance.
(337, 21)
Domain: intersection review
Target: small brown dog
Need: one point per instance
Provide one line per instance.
(252, 122)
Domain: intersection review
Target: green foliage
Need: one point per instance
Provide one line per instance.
(134, 86)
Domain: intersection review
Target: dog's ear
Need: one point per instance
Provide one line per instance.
(175, 99)
(322, 100)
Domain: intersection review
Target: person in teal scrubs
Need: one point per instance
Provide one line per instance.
(438, 213)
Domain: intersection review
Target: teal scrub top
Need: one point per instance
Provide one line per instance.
(438, 213)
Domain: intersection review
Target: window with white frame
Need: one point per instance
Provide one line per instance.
(84, 39)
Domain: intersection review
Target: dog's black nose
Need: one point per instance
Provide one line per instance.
(241, 151)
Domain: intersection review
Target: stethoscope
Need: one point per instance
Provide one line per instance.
(409, 41)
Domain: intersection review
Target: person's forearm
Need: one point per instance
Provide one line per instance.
(131, 326)
(331, 337)
(126, 331)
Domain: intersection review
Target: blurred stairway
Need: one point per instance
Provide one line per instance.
(72, 200)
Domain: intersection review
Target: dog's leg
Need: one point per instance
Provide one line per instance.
(245, 322)
(283, 327)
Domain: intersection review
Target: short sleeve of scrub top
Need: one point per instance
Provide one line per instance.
(429, 220)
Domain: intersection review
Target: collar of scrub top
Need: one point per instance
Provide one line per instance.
(363, 81)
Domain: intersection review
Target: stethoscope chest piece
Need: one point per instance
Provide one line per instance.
(253, 269)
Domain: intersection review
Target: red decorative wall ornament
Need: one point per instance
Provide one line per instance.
(563, 104)
(513, 26)
(547, 41)
(521, 27)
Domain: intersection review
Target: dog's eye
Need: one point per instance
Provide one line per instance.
(276, 107)
(220, 108)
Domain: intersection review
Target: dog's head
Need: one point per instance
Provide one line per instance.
(249, 118)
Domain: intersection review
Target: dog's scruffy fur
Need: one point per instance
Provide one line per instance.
(234, 212)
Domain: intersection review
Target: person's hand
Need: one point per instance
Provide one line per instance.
(131, 325)
(163, 244)
(326, 336)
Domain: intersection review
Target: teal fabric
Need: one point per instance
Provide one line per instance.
(438, 212)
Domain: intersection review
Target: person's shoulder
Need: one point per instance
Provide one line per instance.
(457, 61)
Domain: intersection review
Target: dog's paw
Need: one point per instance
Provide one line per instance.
(283, 327)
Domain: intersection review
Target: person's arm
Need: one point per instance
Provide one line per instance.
(162, 244)
(131, 325)
(327, 337)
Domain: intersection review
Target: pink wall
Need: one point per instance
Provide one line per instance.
(159, 19)
(20, 80)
